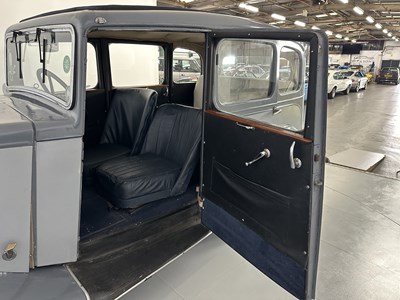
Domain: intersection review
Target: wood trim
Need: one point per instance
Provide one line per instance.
(261, 126)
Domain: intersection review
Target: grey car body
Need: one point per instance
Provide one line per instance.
(44, 119)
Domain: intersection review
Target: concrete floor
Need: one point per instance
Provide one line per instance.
(359, 255)
(368, 120)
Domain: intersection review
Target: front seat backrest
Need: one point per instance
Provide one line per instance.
(129, 117)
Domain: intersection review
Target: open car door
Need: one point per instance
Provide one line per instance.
(264, 149)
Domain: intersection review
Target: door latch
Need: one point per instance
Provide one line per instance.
(9, 252)
(295, 163)
(265, 153)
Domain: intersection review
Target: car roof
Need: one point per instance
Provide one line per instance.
(139, 16)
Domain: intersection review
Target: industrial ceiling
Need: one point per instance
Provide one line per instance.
(342, 20)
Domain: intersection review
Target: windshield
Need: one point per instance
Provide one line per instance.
(348, 74)
(389, 70)
(42, 60)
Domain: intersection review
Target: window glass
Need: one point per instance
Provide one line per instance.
(289, 71)
(186, 65)
(337, 76)
(262, 80)
(91, 72)
(243, 72)
(135, 64)
(42, 62)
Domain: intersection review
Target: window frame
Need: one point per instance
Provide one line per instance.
(18, 88)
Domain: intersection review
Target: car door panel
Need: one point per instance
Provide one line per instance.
(259, 181)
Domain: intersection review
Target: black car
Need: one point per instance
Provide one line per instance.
(389, 75)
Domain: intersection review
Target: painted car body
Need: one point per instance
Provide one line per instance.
(337, 82)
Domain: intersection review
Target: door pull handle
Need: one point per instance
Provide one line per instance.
(295, 163)
(265, 153)
(244, 126)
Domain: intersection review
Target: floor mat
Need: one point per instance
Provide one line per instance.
(115, 261)
(97, 216)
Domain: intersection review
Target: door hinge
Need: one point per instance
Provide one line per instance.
(200, 200)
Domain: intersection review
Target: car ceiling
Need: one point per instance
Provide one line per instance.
(328, 15)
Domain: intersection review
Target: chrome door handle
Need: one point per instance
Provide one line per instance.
(245, 126)
(295, 163)
(265, 153)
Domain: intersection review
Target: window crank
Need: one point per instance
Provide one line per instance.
(295, 163)
(265, 153)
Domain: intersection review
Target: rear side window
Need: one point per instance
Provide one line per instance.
(186, 65)
(136, 64)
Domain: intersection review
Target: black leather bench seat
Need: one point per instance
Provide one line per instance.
(165, 164)
(136, 176)
(95, 156)
(128, 119)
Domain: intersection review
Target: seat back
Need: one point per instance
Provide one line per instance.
(129, 117)
(175, 134)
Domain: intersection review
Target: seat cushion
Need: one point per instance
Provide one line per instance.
(96, 155)
(128, 179)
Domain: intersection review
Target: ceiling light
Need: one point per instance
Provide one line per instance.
(385, 31)
(358, 10)
(299, 23)
(328, 32)
(321, 16)
(338, 36)
(333, 13)
(278, 17)
(396, 40)
(393, 38)
(248, 7)
(370, 19)
(354, 41)
(315, 28)
(187, 1)
(344, 1)
(346, 38)
(378, 25)
(390, 34)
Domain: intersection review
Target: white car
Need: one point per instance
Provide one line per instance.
(358, 80)
(338, 82)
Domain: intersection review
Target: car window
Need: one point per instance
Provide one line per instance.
(47, 68)
(186, 65)
(289, 71)
(262, 80)
(91, 69)
(337, 76)
(233, 73)
(135, 64)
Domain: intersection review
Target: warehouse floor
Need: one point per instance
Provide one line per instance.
(359, 254)
(369, 120)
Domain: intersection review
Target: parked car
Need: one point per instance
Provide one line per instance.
(116, 178)
(358, 80)
(390, 75)
(338, 82)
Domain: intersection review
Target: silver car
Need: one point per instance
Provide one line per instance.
(359, 80)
